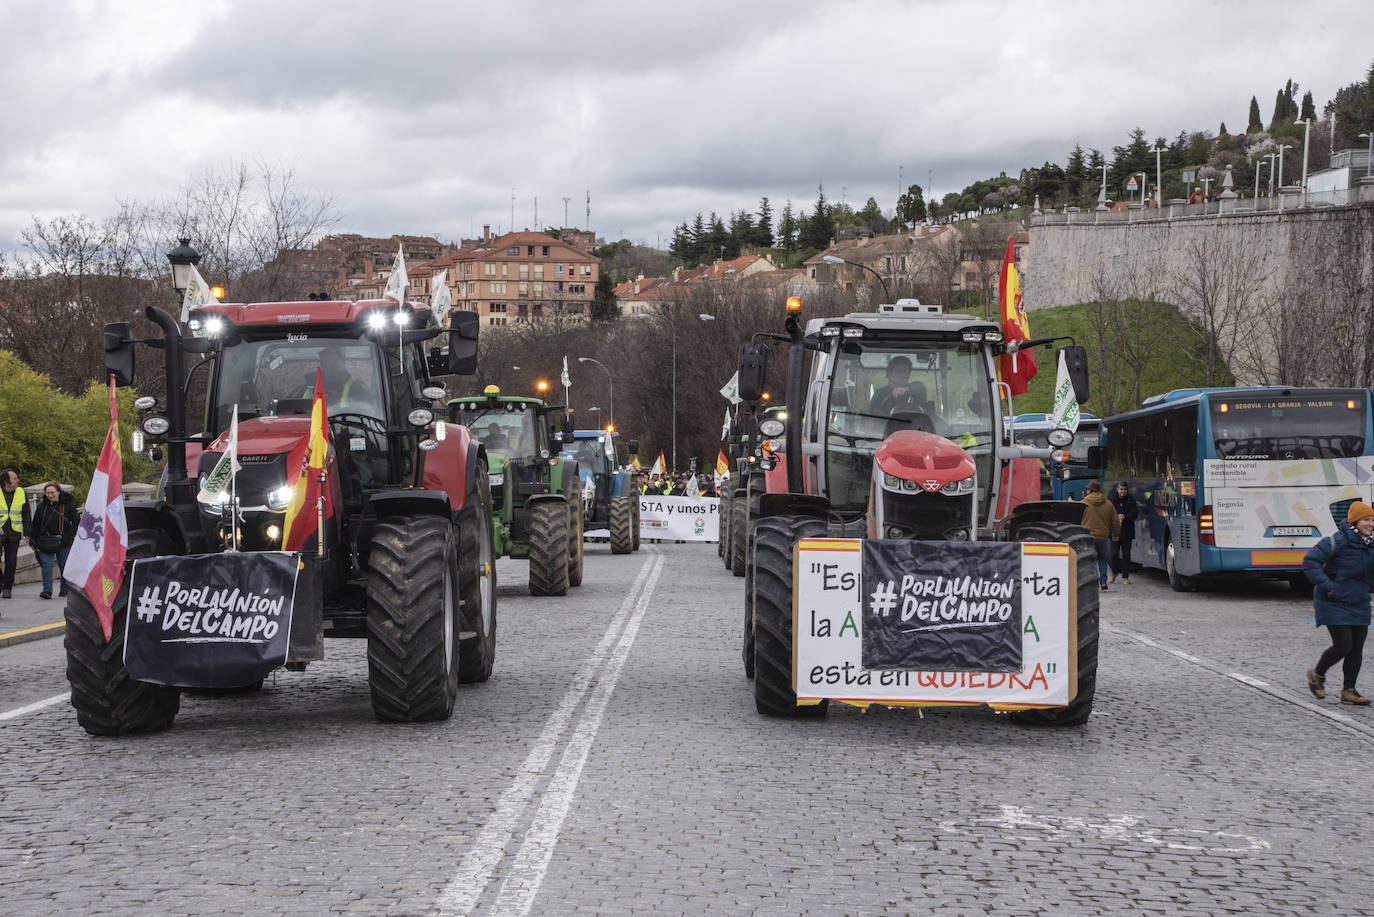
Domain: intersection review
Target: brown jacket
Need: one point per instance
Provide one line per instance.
(1100, 517)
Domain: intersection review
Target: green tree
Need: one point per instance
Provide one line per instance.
(763, 229)
(1126, 160)
(788, 228)
(1285, 109)
(911, 207)
(742, 230)
(820, 228)
(1309, 110)
(1076, 175)
(1254, 125)
(1353, 106)
(604, 307)
(871, 217)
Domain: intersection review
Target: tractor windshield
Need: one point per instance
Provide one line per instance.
(272, 377)
(504, 427)
(880, 387)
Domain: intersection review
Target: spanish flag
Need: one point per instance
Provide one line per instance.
(308, 459)
(1015, 369)
(722, 464)
(634, 463)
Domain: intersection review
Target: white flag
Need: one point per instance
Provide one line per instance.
(691, 488)
(440, 300)
(567, 383)
(396, 284)
(217, 482)
(725, 428)
(731, 389)
(197, 294)
(1065, 415)
(658, 465)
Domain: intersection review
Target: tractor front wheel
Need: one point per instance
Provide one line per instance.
(413, 619)
(774, 538)
(548, 548)
(477, 586)
(621, 521)
(575, 541)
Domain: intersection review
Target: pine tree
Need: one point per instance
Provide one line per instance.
(699, 238)
(1076, 174)
(787, 228)
(820, 229)
(1254, 126)
(911, 207)
(742, 230)
(1309, 110)
(604, 307)
(763, 230)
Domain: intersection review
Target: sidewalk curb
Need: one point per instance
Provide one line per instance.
(33, 633)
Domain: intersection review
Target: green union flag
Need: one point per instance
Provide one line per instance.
(1065, 414)
(217, 482)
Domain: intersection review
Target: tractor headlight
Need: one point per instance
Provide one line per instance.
(440, 430)
(772, 428)
(958, 488)
(136, 440)
(427, 444)
(496, 479)
(156, 425)
(279, 499)
(420, 417)
(145, 403)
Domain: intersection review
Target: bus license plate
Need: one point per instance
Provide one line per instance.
(1298, 531)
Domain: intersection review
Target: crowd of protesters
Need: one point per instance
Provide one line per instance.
(50, 531)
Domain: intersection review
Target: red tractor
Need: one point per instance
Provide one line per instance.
(402, 556)
(898, 435)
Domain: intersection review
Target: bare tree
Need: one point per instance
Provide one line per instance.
(1214, 285)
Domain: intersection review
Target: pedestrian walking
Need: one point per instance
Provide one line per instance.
(1126, 512)
(54, 531)
(1099, 516)
(14, 521)
(1341, 570)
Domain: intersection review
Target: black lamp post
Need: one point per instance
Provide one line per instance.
(183, 259)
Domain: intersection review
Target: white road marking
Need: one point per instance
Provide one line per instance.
(478, 867)
(1029, 826)
(1260, 685)
(36, 705)
(526, 875)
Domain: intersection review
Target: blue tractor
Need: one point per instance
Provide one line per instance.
(610, 500)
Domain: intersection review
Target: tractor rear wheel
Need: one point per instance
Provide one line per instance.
(621, 519)
(413, 619)
(1089, 598)
(747, 652)
(739, 518)
(548, 548)
(774, 538)
(108, 702)
(477, 586)
(634, 526)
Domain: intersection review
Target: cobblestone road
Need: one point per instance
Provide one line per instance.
(614, 765)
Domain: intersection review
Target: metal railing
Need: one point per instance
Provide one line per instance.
(1289, 199)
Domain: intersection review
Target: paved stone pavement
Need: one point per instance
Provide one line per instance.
(614, 764)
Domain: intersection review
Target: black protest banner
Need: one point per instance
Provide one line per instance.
(941, 606)
(209, 620)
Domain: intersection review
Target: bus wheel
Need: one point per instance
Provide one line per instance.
(1178, 581)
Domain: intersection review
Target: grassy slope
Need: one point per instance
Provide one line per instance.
(1178, 362)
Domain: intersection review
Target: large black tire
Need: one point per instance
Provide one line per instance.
(548, 548)
(1089, 599)
(575, 541)
(634, 526)
(739, 521)
(773, 541)
(727, 520)
(1177, 581)
(747, 651)
(621, 521)
(413, 619)
(108, 702)
(477, 586)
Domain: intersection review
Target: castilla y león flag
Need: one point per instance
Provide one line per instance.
(307, 462)
(1015, 369)
(96, 564)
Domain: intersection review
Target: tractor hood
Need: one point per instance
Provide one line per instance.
(929, 460)
(266, 435)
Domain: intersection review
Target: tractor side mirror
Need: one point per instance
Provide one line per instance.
(1097, 456)
(569, 424)
(462, 343)
(1076, 361)
(753, 370)
(633, 446)
(119, 352)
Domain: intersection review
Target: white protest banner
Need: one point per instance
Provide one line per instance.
(679, 518)
(828, 620)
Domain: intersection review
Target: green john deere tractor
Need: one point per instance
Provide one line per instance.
(536, 494)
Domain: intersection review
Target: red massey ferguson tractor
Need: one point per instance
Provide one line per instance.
(898, 435)
(404, 558)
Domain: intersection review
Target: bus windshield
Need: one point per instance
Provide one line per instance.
(1263, 426)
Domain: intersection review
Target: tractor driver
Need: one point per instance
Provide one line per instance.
(900, 395)
(495, 437)
(343, 392)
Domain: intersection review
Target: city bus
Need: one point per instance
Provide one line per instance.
(1240, 480)
(1064, 476)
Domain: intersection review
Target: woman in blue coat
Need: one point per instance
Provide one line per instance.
(1341, 570)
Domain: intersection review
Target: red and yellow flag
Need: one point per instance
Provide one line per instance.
(308, 459)
(722, 464)
(1015, 369)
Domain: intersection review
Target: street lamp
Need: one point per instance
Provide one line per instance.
(1271, 157)
(609, 381)
(1143, 179)
(1306, 137)
(184, 258)
(836, 259)
(1369, 155)
(1258, 165)
(672, 326)
(1159, 176)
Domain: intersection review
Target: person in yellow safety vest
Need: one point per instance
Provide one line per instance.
(341, 389)
(14, 519)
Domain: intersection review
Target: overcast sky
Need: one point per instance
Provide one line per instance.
(421, 117)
